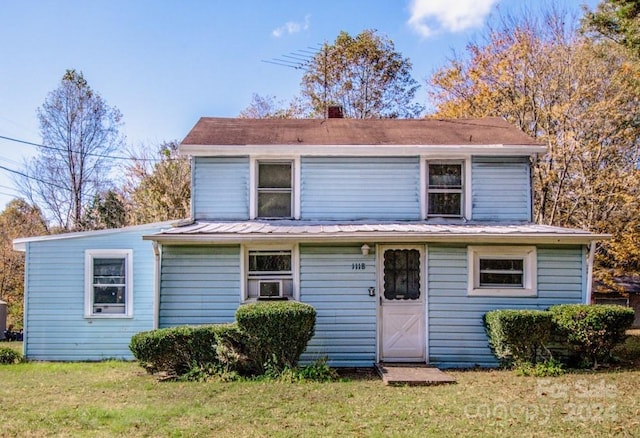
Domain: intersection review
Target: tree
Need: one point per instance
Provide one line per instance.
(268, 107)
(79, 132)
(108, 210)
(617, 20)
(365, 75)
(161, 191)
(573, 94)
(18, 219)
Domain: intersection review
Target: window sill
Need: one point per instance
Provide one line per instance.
(502, 292)
(106, 316)
(264, 299)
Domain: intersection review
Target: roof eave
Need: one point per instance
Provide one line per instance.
(360, 150)
(20, 244)
(384, 237)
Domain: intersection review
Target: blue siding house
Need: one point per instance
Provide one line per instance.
(401, 233)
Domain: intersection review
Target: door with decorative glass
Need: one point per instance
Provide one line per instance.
(402, 304)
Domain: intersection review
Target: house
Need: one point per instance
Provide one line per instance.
(401, 233)
(622, 290)
(68, 314)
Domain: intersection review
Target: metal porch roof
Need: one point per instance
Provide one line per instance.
(318, 231)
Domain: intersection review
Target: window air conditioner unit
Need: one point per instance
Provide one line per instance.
(270, 289)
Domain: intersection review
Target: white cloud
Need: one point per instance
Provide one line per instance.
(291, 27)
(429, 17)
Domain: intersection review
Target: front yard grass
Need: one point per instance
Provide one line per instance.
(118, 398)
(17, 346)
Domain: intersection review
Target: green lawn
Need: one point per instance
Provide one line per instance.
(17, 346)
(118, 398)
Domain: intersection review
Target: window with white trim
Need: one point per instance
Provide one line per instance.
(269, 274)
(274, 189)
(108, 283)
(502, 271)
(445, 189)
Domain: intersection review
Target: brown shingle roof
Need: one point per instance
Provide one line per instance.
(224, 131)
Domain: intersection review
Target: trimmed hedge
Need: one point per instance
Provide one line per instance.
(268, 336)
(592, 331)
(177, 350)
(589, 331)
(517, 335)
(276, 333)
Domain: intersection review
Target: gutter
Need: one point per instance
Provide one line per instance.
(309, 150)
(592, 253)
(157, 252)
(379, 237)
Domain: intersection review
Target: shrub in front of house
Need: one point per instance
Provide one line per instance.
(176, 351)
(276, 333)
(8, 356)
(518, 336)
(591, 331)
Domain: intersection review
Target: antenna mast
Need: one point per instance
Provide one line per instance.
(301, 60)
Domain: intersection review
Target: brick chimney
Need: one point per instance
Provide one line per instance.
(335, 112)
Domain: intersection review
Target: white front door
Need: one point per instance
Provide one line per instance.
(402, 303)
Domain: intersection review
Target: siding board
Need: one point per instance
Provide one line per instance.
(355, 188)
(55, 326)
(456, 333)
(221, 188)
(208, 292)
(346, 314)
(500, 188)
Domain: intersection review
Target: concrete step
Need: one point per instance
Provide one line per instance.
(412, 374)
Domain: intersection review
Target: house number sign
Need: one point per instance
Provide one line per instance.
(358, 266)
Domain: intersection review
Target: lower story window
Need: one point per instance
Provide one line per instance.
(498, 272)
(270, 274)
(108, 285)
(502, 270)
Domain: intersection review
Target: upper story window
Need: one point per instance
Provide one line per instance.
(445, 189)
(274, 191)
(108, 283)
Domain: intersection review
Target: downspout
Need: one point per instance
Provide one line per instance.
(192, 204)
(592, 252)
(157, 252)
(25, 302)
(532, 192)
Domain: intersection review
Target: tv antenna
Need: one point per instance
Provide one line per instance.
(301, 60)
(298, 60)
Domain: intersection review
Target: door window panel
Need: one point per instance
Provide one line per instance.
(402, 274)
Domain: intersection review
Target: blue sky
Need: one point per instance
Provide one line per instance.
(165, 63)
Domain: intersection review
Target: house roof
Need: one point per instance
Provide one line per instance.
(621, 284)
(20, 244)
(246, 134)
(315, 232)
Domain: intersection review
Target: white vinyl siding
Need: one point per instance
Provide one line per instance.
(456, 335)
(501, 189)
(358, 188)
(220, 188)
(56, 327)
(199, 284)
(335, 280)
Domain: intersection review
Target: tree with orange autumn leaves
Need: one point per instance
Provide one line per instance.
(577, 95)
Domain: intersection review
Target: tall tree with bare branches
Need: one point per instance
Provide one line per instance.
(79, 133)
